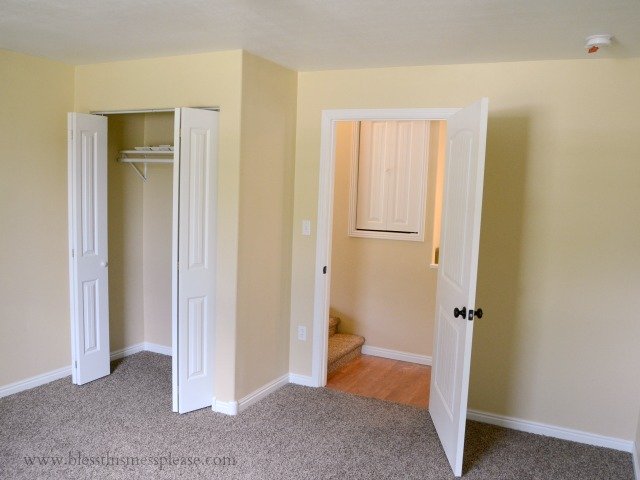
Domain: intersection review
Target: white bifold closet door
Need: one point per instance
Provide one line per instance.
(88, 256)
(195, 173)
(457, 274)
(194, 253)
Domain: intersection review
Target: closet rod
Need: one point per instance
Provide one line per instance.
(145, 110)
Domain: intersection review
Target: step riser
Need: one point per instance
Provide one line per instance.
(333, 326)
(344, 360)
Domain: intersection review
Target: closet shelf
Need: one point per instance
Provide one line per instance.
(145, 157)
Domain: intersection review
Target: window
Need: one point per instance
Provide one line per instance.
(388, 180)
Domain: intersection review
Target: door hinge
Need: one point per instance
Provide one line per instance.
(178, 265)
(75, 364)
(73, 253)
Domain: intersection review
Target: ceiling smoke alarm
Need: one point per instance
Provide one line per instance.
(594, 42)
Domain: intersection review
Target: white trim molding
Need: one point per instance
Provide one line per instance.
(304, 380)
(228, 408)
(552, 431)
(157, 348)
(262, 392)
(35, 381)
(396, 355)
(636, 459)
(126, 351)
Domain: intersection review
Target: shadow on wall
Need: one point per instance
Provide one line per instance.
(494, 361)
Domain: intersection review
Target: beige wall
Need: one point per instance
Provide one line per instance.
(35, 96)
(140, 213)
(559, 256)
(157, 199)
(266, 205)
(211, 79)
(384, 290)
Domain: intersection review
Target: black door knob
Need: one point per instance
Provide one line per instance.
(460, 312)
(478, 313)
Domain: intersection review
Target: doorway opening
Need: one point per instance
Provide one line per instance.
(455, 308)
(387, 182)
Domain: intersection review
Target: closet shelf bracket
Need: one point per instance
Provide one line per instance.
(144, 157)
(142, 173)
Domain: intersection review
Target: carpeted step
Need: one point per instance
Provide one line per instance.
(343, 347)
(333, 325)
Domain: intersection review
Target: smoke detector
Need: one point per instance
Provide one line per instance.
(595, 42)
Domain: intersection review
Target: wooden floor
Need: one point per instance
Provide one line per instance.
(385, 379)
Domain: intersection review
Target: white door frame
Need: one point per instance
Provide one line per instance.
(325, 215)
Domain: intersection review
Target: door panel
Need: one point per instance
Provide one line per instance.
(197, 149)
(462, 206)
(88, 261)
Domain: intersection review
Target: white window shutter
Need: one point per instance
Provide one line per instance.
(372, 197)
(391, 182)
(407, 177)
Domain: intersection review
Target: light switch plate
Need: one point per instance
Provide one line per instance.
(302, 333)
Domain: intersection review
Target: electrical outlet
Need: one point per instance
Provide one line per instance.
(302, 333)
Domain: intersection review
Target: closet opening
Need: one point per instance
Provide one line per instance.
(142, 244)
(140, 203)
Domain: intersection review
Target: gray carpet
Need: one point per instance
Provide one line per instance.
(295, 433)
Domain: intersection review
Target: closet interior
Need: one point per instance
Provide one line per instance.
(140, 203)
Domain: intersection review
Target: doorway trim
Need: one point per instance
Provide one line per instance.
(322, 281)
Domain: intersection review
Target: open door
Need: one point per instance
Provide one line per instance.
(195, 182)
(455, 300)
(88, 256)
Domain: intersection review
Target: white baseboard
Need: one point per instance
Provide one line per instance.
(552, 431)
(304, 380)
(636, 459)
(396, 355)
(262, 392)
(228, 408)
(156, 348)
(126, 351)
(35, 381)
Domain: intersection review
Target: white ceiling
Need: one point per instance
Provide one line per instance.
(320, 34)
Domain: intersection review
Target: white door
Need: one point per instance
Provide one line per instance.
(195, 174)
(88, 256)
(455, 304)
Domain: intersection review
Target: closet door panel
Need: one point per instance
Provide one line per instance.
(88, 237)
(196, 258)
